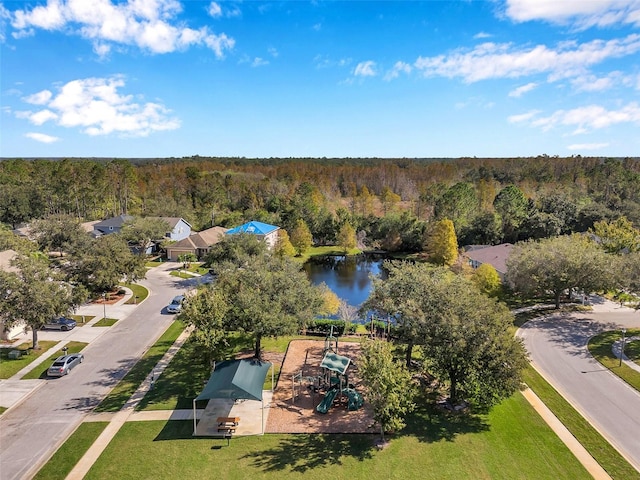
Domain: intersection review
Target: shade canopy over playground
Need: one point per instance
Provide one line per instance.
(236, 379)
(335, 363)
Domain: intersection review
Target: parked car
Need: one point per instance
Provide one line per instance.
(61, 323)
(176, 304)
(62, 365)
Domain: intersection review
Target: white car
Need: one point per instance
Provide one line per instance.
(176, 304)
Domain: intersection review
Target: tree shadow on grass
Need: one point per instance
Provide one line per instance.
(428, 423)
(176, 430)
(300, 453)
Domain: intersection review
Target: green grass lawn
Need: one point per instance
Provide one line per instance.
(600, 347)
(105, 322)
(325, 250)
(41, 370)
(139, 293)
(511, 442)
(608, 457)
(132, 380)
(82, 320)
(632, 351)
(71, 452)
(9, 367)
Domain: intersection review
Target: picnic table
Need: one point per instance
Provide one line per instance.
(228, 424)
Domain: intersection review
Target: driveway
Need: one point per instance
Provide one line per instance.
(557, 345)
(31, 431)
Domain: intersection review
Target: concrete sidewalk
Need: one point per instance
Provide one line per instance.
(14, 390)
(118, 420)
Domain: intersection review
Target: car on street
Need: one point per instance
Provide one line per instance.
(176, 304)
(61, 323)
(62, 365)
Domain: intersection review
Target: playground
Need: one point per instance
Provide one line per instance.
(311, 399)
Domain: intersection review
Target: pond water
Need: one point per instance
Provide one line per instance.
(347, 276)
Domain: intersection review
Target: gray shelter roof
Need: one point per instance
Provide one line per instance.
(335, 362)
(236, 379)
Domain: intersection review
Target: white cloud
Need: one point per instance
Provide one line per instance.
(40, 98)
(491, 60)
(41, 137)
(582, 14)
(273, 52)
(482, 35)
(591, 83)
(588, 118)
(518, 92)
(365, 69)
(146, 24)
(259, 62)
(398, 68)
(96, 107)
(523, 117)
(587, 146)
(5, 15)
(317, 27)
(215, 10)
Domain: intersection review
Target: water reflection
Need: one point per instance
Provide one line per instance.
(347, 276)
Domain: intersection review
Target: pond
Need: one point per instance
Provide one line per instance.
(347, 276)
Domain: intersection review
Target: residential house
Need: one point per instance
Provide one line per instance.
(179, 228)
(494, 255)
(198, 243)
(112, 225)
(5, 264)
(264, 231)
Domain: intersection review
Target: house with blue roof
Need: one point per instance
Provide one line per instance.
(264, 231)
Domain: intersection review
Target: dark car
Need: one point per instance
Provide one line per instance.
(62, 365)
(61, 323)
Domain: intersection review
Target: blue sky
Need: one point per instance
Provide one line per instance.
(175, 78)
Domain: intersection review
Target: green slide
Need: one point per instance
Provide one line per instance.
(327, 401)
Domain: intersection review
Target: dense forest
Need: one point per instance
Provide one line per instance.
(390, 202)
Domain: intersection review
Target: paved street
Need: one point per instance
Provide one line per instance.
(558, 348)
(31, 431)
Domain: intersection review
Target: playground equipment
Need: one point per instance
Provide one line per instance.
(337, 383)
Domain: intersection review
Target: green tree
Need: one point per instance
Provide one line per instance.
(236, 249)
(330, 301)
(389, 199)
(347, 237)
(487, 280)
(464, 335)
(144, 231)
(388, 387)
(186, 259)
(62, 233)
(468, 342)
(283, 246)
(617, 236)
(206, 312)
(559, 265)
(270, 299)
(459, 203)
(301, 238)
(36, 294)
(484, 229)
(104, 263)
(442, 244)
(512, 206)
(402, 297)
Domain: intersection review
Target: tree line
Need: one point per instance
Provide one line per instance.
(389, 202)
